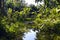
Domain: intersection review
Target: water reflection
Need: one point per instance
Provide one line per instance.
(31, 35)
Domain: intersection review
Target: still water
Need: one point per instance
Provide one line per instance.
(31, 35)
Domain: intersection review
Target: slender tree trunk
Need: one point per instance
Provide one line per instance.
(2, 7)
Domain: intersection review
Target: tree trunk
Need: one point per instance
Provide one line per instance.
(2, 8)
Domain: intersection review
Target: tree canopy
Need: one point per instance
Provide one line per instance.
(17, 18)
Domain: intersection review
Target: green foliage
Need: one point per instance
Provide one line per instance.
(46, 18)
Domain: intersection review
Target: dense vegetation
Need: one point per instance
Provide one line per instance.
(17, 18)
